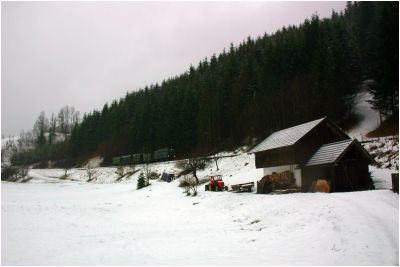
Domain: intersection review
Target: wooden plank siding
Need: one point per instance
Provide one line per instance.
(275, 157)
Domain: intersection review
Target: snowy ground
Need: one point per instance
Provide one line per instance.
(74, 223)
(48, 221)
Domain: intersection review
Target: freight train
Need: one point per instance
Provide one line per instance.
(158, 155)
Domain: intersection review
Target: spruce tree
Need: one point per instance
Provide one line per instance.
(141, 182)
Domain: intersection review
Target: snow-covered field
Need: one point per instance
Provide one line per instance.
(75, 223)
(48, 221)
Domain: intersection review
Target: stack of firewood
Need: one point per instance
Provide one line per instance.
(282, 178)
(268, 183)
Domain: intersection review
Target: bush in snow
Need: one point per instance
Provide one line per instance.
(23, 170)
(189, 184)
(120, 172)
(153, 175)
(65, 175)
(131, 169)
(91, 173)
(8, 173)
(141, 182)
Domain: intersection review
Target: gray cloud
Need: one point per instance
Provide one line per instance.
(85, 54)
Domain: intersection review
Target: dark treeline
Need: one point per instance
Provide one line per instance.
(297, 74)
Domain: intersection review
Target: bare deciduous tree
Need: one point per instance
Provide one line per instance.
(216, 158)
(40, 128)
(120, 171)
(193, 165)
(67, 118)
(147, 173)
(23, 171)
(91, 173)
(131, 169)
(52, 129)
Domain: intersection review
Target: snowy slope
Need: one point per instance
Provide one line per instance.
(13, 139)
(369, 117)
(385, 150)
(237, 169)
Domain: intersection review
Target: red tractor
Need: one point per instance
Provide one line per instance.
(216, 184)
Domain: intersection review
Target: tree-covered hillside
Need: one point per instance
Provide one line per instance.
(297, 74)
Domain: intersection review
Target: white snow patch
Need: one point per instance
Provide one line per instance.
(382, 177)
(94, 162)
(13, 139)
(369, 117)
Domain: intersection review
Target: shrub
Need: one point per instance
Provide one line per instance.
(8, 173)
(141, 182)
(189, 184)
(153, 176)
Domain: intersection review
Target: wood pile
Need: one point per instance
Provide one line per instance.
(245, 187)
(268, 183)
(286, 191)
(285, 177)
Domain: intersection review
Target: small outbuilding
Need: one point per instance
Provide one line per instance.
(316, 150)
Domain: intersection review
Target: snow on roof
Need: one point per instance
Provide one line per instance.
(286, 137)
(328, 153)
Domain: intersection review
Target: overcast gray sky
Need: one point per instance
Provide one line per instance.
(84, 54)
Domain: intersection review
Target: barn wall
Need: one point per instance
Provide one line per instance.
(352, 171)
(292, 168)
(275, 157)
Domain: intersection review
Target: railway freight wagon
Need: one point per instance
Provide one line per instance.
(147, 157)
(116, 161)
(137, 159)
(158, 155)
(162, 154)
(124, 160)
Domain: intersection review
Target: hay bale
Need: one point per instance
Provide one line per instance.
(322, 186)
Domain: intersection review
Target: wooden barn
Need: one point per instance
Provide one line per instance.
(316, 150)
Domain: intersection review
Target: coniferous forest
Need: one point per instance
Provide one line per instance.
(294, 75)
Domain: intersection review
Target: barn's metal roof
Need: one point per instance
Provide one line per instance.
(328, 153)
(286, 137)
